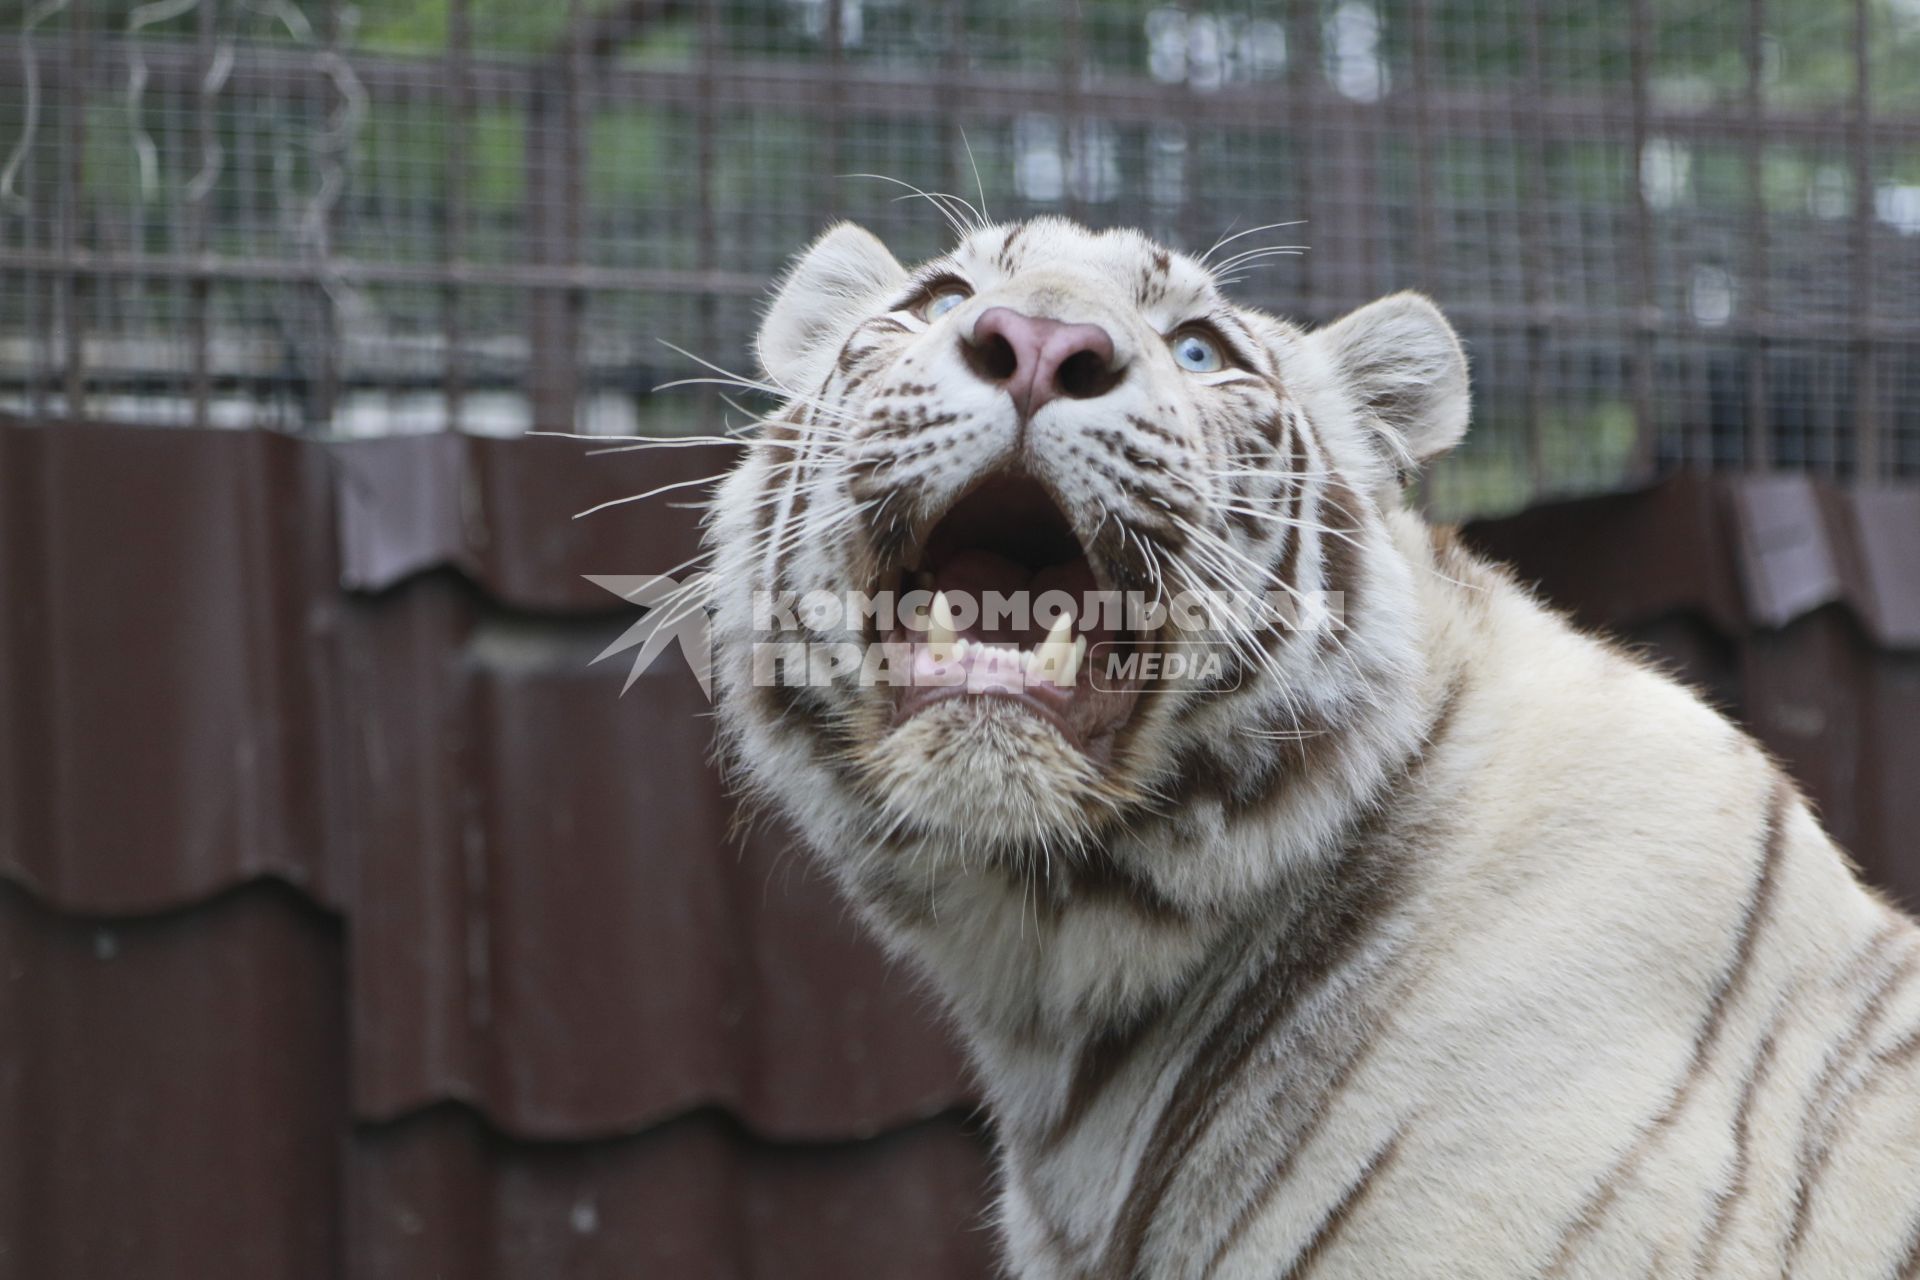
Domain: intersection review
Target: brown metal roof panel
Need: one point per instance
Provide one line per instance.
(504, 512)
(412, 832)
(1806, 544)
(1624, 558)
(1792, 555)
(171, 1098)
(1888, 528)
(1844, 717)
(1888, 799)
(438, 1195)
(172, 1105)
(624, 903)
(552, 923)
(405, 505)
(537, 493)
(155, 686)
(1745, 551)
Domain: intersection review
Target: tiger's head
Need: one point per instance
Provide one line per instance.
(1085, 422)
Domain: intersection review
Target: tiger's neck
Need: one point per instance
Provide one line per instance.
(1056, 977)
(1259, 826)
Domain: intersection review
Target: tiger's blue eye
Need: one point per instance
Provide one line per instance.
(1197, 353)
(944, 301)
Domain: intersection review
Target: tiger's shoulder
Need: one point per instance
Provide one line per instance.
(1692, 1035)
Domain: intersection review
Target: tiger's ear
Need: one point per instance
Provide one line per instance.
(1407, 372)
(841, 280)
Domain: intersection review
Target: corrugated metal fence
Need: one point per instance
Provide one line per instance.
(364, 931)
(353, 927)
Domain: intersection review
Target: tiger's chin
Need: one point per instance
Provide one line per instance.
(1002, 718)
(986, 772)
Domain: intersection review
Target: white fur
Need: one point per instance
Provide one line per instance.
(1513, 958)
(1404, 364)
(835, 284)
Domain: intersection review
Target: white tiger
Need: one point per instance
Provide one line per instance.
(1445, 941)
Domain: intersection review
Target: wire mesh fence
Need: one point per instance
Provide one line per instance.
(1673, 232)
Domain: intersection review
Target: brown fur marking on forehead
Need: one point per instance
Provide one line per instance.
(1154, 273)
(1005, 257)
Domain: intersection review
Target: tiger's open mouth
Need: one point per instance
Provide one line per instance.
(1014, 616)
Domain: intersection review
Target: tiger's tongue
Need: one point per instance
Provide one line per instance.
(977, 572)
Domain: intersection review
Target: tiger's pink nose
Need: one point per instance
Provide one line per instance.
(1038, 360)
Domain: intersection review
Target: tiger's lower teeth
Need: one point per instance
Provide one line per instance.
(1058, 656)
(1057, 660)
